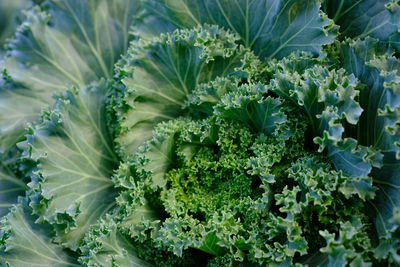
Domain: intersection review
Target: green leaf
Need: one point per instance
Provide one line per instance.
(10, 188)
(76, 160)
(354, 56)
(105, 245)
(350, 157)
(18, 106)
(244, 103)
(59, 44)
(389, 107)
(351, 246)
(160, 74)
(25, 243)
(366, 18)
(10, 15)
(70, 43)
(154, 158)
(371, 63)
(328, 98)
(272, 29)
(387, 180)
(248, 106)
(125, 240)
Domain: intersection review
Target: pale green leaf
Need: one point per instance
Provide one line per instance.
(59, 44)
(70, 42)
(10, 188)
(18, 106)
(10, 15)
(76, 160)
(25, 243)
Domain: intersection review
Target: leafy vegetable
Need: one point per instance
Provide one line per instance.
(233, 188)
(161, 73)
(200, 133)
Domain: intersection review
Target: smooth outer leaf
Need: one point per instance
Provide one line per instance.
(18, 106)
(271, 28)
(361, 18)
(59, 44)
(76, 160)
(25, 243)
(71, 42)
(160, 74)
(10, 188)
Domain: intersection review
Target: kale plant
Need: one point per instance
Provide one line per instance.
(200, 133)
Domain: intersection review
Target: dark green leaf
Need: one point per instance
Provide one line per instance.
(366, 18)
(273, 29)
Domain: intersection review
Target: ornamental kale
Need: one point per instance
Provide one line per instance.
(200, 133)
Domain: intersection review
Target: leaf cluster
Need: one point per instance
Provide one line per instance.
(200, 133)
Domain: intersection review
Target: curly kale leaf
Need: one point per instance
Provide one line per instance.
(160, 74)
(226, 188)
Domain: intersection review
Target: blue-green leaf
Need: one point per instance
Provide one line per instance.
(25, 243)
(10, 188)
(18, 106)
(272, 29)
(366, 18)
(371, 63)
(10, 17)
